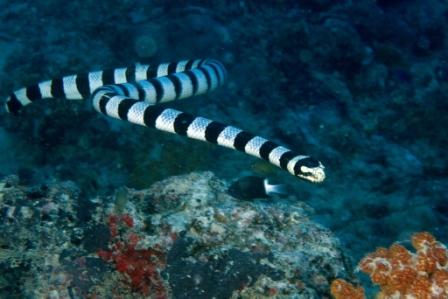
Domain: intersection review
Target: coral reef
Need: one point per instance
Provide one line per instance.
(183, 237)
(40, 250)
(401, 273)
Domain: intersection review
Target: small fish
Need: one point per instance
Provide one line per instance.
(251, 187)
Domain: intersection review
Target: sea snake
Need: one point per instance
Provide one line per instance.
(131, 94)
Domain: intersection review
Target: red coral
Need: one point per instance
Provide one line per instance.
(127, 219)
(140, 266)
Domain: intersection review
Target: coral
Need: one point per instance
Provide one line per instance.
(342, 289)
(140, 266)
(401, 273)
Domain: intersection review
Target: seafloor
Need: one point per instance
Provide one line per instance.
(98, 208)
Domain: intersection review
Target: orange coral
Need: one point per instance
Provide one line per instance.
(341, 289)
(403, 274)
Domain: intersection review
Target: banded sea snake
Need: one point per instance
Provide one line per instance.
(131, 94)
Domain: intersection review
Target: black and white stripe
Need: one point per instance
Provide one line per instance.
(132, 93)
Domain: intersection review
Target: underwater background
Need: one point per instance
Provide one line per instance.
(93, 207)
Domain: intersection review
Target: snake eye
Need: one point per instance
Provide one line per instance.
(310, 162)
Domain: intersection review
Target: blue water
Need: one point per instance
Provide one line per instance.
(360, 85)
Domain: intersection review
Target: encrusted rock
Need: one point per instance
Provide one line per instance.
(208, 244)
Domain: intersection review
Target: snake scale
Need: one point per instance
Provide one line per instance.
(132, 94)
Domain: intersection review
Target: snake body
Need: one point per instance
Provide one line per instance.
(132, 94)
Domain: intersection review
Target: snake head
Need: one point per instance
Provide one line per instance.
(309, 169)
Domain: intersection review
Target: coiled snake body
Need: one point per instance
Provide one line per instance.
(132, 94)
